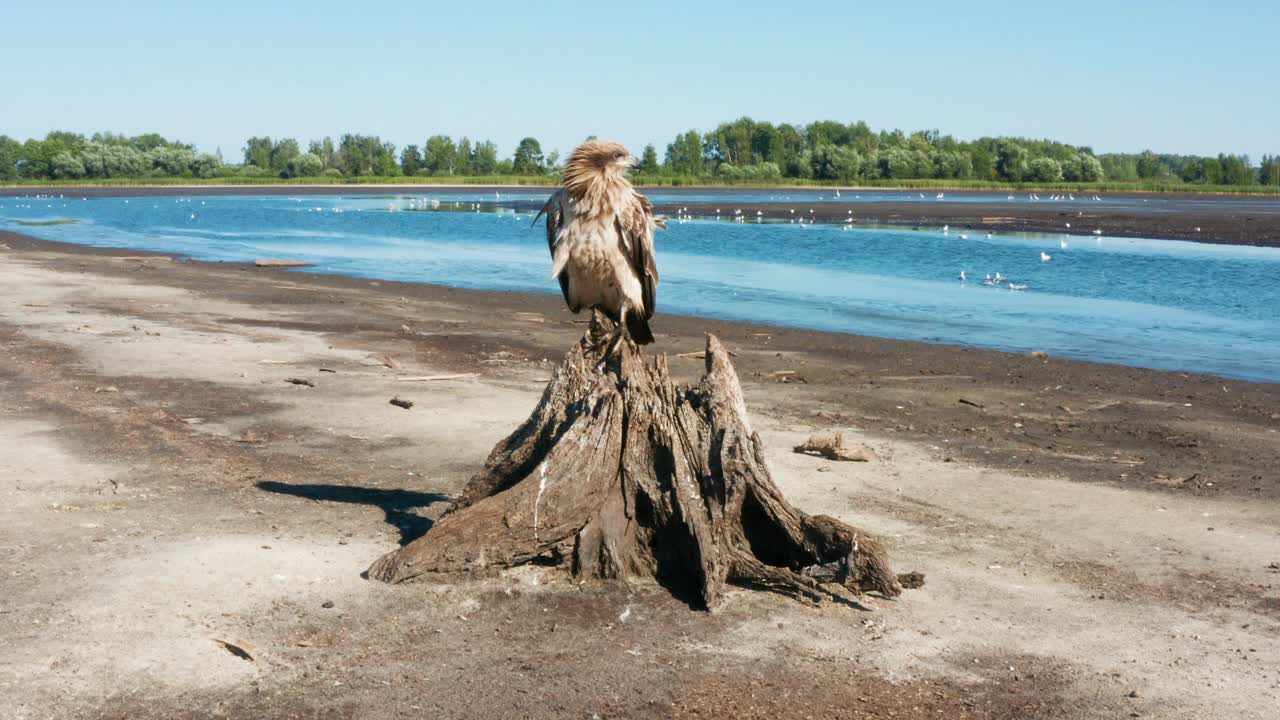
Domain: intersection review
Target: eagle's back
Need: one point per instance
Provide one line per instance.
(602, 252)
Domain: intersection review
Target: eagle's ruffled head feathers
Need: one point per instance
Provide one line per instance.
(596, 170)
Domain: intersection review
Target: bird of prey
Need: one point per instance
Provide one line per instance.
(600, 232)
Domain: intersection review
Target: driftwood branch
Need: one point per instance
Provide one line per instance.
(830, 445)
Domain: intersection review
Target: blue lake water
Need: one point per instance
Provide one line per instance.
(1151, 303)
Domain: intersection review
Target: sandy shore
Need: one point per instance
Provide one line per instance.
(1242, 220)
(1099, 541)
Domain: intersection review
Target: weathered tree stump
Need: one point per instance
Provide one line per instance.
(625, 475)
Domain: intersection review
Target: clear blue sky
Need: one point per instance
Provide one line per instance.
(1119, 75)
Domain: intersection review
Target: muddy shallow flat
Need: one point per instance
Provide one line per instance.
(1099, 541)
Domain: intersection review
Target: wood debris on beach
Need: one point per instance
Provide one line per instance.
(830, 445)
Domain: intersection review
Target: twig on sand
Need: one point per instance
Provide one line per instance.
(431, 378)
(406, 404)
(786, 376)
(971, 403)
(300, 381)
(234, 649)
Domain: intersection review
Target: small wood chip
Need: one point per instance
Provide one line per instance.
(912, 580)
(300, 381)
(971, 403)
(406, 404)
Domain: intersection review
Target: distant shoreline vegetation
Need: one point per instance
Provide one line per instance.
(739, 153)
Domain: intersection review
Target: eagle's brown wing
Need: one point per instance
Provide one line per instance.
(635, 229)
(554, 210)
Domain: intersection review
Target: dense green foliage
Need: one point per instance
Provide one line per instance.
(68, 156)
(834, 152)
(742, 151)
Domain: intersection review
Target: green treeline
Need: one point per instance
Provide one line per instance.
(742, 151)
(830, 151)
(64, 155)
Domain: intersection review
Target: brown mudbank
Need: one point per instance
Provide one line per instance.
(628, 475)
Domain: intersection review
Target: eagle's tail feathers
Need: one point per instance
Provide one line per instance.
(638, 328)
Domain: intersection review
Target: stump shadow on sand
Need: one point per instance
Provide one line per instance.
(397, 505)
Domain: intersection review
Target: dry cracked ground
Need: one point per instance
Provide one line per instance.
(183, 529)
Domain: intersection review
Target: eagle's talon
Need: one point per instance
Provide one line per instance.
(613, 347)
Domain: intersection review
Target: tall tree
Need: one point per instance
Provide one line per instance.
(366, 155)
(649, 160)
(257, 151)
(72, 142)
(528, 158)
(441, 155)
(410, 160)
(10, 152)
(36, 158)
(283, 151)
(466, 157)
(1011, 161)
(485, 161)
(324, 150)
(684, 155)
(1269, 171)
(1236, 170)
(149, 141)
(1149, 166)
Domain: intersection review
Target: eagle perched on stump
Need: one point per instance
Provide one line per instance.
(600, 231)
